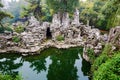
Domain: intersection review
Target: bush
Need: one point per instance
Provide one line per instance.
(110, 70)
(16, 39)
(8, 29)
(98, 61)
(2, 29)
(103, 57)
(19, 29)
(91, 54)
(107, 49)
(60, 38)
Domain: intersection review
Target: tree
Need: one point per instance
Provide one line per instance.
(34, 8)
(62, 6)
(87, 13)
(111, 13)
(91, 11)
(3, 15)
(15, 7)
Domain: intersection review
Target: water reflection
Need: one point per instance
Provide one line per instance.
(52, 64)
(62, 67)
(8, 65)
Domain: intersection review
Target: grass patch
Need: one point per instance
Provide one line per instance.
(60, 38)
(19, 29)
(16, 39)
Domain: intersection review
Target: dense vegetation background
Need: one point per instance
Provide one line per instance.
(103, 14)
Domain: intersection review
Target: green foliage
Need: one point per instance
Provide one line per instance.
(110, 70)
(8, 77)
(16, 39)
(2, 16)
(15, 7)
(2, 29)
(98, 61)
(107, 49)
(111, 13)
(62, 5)
(37, 8)
(8, 29)
(60, 38)
(102, 14)
(19, 29)
(33, 8)
(103, 57)
(106, 66)
(91, 54)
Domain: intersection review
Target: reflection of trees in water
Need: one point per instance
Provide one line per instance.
(85, 67)
(37, 63)
(62, 67)
(8, 65)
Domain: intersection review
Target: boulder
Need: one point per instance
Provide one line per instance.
(65, 21)
(75, 21)
(114, 36)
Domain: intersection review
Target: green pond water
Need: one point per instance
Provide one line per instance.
(51, 64)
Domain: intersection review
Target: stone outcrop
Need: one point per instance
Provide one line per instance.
(34, 35)
(114, 37)
(34, 38)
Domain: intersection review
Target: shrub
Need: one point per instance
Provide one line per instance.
(110, 70)
(16, 39)
(98, 61)
(91, 54)
(19, 29)
(2, 29)
(107, 49)
(60, 38)
(8, 29)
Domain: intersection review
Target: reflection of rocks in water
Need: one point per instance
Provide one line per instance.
(8, 65)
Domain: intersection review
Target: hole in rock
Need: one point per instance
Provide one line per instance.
(48, 33)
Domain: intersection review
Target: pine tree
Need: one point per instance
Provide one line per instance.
(62, 5)
(34, 8)
(3, 15)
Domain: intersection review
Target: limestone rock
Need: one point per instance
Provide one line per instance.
(114, 36)
(76, 18)
(65, 21)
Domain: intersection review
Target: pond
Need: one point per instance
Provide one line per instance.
(51, 64)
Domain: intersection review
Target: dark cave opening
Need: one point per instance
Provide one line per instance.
(48, 33)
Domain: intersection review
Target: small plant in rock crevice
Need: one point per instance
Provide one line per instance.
(16, 39)
(91, 54)
(60, 38)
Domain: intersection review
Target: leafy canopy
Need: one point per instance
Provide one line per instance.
(62, 5)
